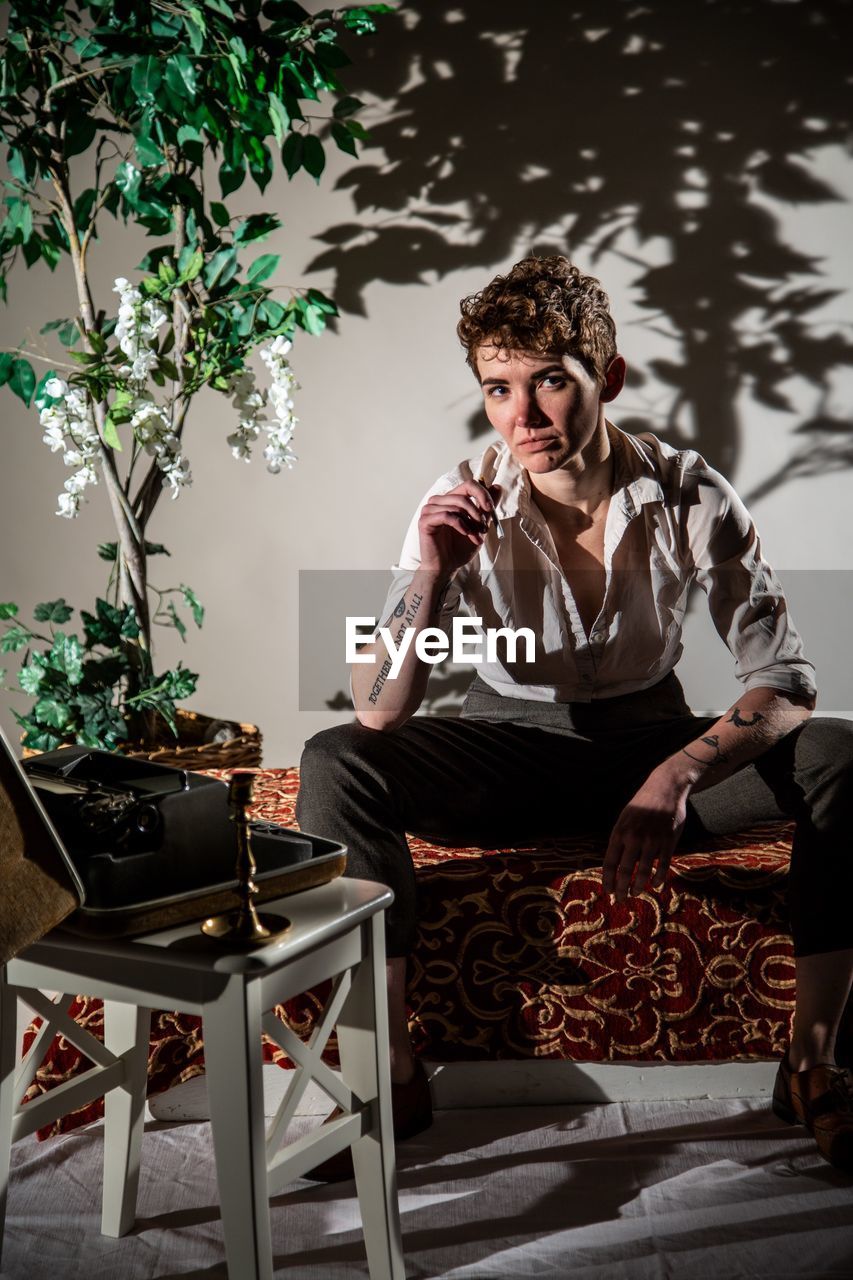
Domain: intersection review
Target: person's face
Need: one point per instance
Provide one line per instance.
(547, 408)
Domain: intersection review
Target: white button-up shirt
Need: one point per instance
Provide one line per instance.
(672, 520)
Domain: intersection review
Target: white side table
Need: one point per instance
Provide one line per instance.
(337, 932)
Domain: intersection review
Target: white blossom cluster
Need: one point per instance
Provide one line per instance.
(69, 424)
(250, 403)
(139, 321)
(152, 428)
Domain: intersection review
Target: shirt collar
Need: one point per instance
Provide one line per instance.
(636, 481)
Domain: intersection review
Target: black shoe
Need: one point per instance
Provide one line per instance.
(411, 1107)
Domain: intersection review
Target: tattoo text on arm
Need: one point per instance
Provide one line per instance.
(410, 614)
(712, 741)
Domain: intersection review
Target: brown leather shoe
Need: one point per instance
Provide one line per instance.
(411, 1106)
(822, 1100)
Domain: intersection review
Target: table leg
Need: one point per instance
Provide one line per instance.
(363, 1042)
(8, 1101)
(232, 1053)
(126, 1031)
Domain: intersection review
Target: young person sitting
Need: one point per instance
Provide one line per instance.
(590, 538)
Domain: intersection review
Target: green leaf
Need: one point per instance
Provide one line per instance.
(14, 639)
(111, 436)
(324, 304)
(181, 77)
(111, 625)
(196, 28)
(231, 176)
(37, 739)
(83, 206)
(31, 679)
(8, 610)
(292, 152)
(109, 551)
(66, 655)
(17, 168)
(346, 107)
(256, 227)
(166, 271)
(52, 712)
(20, 218)
(147, 151)
(262, 268)
(176, 621)
(192, 140)
(344, 139)
(146, 78)
(360, 19)
(194, 604)
(23, 380)
(7, 363)
(280, 117)
(220, 6)
(192, 267)
(219, 213)
(271, 312)
(53, 611)
(220, 268)
(313, 157)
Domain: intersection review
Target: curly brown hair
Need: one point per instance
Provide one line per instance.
(542, 305)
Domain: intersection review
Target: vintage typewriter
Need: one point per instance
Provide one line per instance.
(146, 846)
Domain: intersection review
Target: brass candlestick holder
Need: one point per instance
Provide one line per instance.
(244, 926)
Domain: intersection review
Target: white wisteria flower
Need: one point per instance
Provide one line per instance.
(250, 404)
(151, 425)
(69, 424)
(139, 321)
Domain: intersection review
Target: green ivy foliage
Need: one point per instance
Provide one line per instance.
(79, 684)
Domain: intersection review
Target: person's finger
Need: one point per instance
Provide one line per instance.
(624, 873)
(476, 491)
(662, 872)
(462, 504)
(611, 861)
(458, 521)
(645, 864)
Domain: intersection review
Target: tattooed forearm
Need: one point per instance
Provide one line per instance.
(440, 598)
(712, 741)
(737, 718)
(408, 614)
(379, 682)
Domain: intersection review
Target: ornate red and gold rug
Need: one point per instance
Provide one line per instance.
(520, 955)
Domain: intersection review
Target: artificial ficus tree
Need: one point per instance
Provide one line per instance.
(155, 112)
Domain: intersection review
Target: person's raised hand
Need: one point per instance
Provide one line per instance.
(453, 525)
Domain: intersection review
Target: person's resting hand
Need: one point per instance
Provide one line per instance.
(645, 835)
(452, 526)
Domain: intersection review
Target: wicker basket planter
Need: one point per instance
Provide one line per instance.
(201, 744)
(194, 749)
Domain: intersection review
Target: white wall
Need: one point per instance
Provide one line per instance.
(383, 408)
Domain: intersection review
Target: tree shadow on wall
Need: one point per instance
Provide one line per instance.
(602, 125)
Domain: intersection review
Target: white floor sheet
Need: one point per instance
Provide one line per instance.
(709, 1190)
